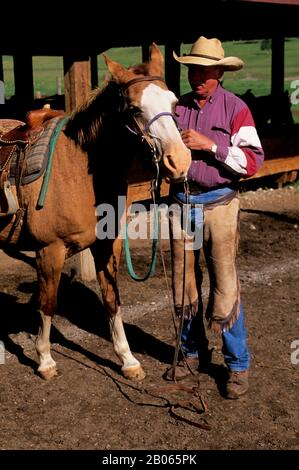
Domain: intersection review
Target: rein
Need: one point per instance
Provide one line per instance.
(179, 330)
(155, 244)
(144, 134)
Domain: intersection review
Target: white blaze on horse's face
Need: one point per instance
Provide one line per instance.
(176, 156)
(155, 100)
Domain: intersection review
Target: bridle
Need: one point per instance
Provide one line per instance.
(135, 127)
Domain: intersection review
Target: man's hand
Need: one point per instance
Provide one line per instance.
(195, 140)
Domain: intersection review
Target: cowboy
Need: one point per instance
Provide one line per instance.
(219, 129)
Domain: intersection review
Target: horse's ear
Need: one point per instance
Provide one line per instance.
(118, 72)
(156, 61)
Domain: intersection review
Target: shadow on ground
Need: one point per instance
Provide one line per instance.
(81, 306)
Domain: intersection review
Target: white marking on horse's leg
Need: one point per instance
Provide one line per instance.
(47, 367)
(131, 366)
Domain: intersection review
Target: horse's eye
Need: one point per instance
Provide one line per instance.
(134, 109)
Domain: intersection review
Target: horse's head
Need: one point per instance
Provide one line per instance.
(152, 111)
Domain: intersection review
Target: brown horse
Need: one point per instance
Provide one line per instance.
(96, 157)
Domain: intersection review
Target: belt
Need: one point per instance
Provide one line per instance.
(195, 188)
(223, 200)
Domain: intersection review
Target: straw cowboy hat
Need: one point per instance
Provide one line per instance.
(209, 52)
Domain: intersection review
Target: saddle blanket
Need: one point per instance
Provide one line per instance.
(37, 156)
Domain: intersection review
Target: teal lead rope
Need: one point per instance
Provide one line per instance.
(155, 243)
(44, 188)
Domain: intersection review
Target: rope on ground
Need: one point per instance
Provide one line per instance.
(190, 405)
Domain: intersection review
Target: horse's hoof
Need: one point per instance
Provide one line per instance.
(134, 373)
(48, 373)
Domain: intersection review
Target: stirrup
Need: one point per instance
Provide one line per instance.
(8, 201)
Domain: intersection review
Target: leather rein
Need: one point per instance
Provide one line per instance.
(145, 135)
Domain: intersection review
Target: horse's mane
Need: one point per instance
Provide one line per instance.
(85, 125)
(86, 122)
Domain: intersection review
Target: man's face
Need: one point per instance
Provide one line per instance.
(203, 80)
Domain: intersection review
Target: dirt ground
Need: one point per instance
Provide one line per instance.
(90, 406)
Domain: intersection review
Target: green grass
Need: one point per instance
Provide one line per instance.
(47, 70)
(256, 75)
(45, 73)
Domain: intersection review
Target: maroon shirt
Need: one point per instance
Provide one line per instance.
(227, 120)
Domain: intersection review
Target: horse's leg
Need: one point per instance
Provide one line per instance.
(131, 367)
(49, 262)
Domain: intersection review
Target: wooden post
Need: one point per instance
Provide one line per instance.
(76, 80)
(172, 67)
(77, 89)
(23, 74)
(94, 71)
(277, 77)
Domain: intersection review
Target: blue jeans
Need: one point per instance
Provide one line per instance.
(235, 349)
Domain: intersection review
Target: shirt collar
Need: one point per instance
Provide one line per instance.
(215, 94)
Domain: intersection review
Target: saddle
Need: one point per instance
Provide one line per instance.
(18, 137)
